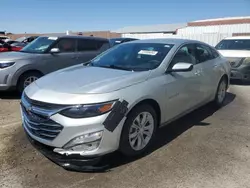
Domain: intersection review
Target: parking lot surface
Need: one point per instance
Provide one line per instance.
(206, 148)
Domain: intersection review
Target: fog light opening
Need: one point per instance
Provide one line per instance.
(86, 147)
(85, 141)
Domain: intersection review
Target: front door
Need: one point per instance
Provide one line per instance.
(66, 57)
(183, 88)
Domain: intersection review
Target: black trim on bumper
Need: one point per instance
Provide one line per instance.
(117, 113)
(71, 162)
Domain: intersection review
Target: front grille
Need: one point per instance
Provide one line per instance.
(40, 125)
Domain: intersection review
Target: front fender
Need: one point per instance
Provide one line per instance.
(26, 66)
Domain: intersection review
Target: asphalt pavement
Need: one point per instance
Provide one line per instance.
(205, 149)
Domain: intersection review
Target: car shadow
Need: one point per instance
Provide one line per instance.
(239, 82)
(10, 95)
(168, 133)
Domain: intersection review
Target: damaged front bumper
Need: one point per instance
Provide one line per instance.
(72, 162)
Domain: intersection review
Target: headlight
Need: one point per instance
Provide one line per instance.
(246, 61)
(84, 111)
(6, 64)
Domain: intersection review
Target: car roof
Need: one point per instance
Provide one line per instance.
(75, 37)
(175, 41)
(122, 38)
(237, 37)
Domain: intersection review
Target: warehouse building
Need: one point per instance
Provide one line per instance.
(150, 31)
(210, 31)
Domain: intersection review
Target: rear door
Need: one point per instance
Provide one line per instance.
(87, 49)
(209, 70)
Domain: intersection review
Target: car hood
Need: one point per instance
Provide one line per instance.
(89, 80)
(235, 53)
(12, 56)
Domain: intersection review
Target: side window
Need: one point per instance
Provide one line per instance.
(202, 53)
(184, 55)
(90, 45)
(214, 53)
(66, 45)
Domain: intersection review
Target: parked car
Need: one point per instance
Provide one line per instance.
(116, 41)
(237, 51)
(11, 46)
(26, 40)
(45, 55)
(9, 41)
(2, 37)
(3, 46)
(119, 100)
(16, 46)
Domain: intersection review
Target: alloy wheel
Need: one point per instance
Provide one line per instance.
(29, 80)
(221, 91)
(141, 131)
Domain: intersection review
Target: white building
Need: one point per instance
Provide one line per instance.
(210, 31)
(213, 30)
(150, 31)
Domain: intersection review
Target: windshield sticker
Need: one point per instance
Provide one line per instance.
(147, 52)
(167, 46)
(117, 41)
(53, 38)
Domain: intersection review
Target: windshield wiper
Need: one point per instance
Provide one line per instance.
(116, 67)
(90, 63)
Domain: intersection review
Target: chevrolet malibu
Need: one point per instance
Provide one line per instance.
(118, 100)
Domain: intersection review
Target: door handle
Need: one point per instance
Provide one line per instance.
(75, 57)
(198, 73)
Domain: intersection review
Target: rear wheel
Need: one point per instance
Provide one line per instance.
(138, 131)
(221, 93)
(26, 79)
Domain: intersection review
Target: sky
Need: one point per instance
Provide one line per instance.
(47, 16)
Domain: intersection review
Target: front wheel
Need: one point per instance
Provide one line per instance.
(221, 93)
(138, 131)
(26, 79)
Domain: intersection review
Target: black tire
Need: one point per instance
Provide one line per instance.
(125, 147)
(23, 77)
(218, 103)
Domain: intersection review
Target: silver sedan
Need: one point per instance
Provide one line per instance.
(120, 98)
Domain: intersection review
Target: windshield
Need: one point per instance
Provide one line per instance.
(39, 45)
(20, 39)
(133, 56)
(241, 44)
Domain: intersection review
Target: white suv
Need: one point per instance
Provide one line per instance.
(237, 51)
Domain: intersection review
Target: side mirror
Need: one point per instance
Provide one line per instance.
(54, 50)
(181, 67)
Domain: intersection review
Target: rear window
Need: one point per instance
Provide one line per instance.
(232, 44)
